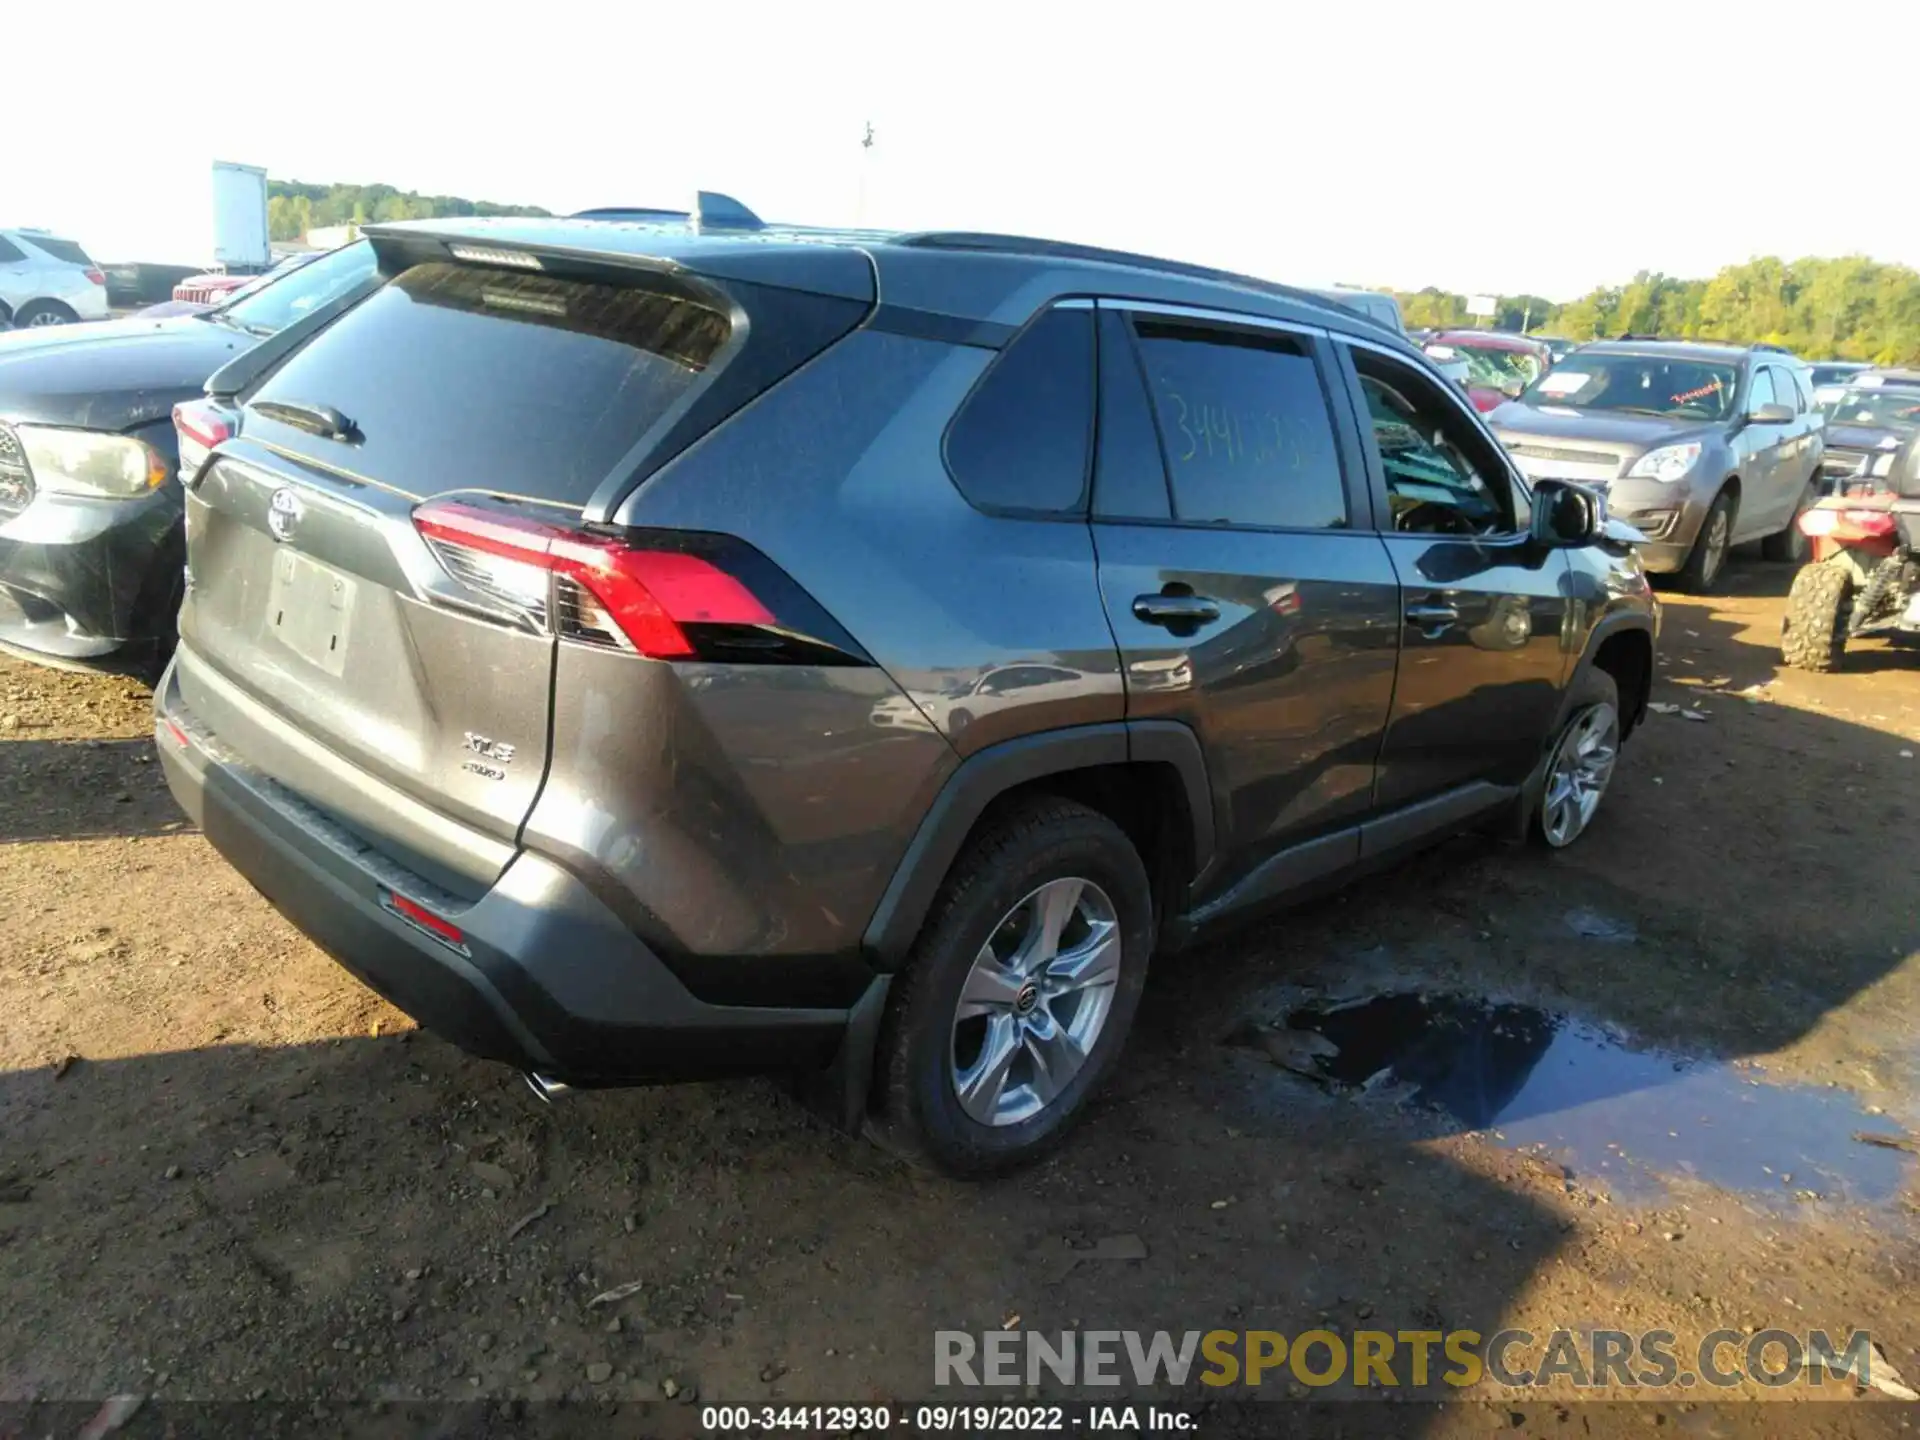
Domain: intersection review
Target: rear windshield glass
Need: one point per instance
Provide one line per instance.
(457, 377)
(60, 249)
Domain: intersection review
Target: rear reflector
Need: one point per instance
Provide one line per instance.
(425, 919)
(603, 591)
(179, 735)
(200, 425)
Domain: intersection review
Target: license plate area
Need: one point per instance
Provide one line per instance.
(310, 609)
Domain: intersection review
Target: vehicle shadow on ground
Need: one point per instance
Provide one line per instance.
(83, 790)
(379, 1217)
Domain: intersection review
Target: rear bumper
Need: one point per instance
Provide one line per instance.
(74, 573)
(542, 977)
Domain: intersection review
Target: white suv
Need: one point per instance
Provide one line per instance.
(45, 280)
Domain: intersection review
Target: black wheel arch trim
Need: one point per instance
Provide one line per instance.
(986, 775)
(1608, 626)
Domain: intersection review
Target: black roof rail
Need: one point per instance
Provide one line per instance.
(628, 212)
(1770, 349)
(988, 243)
(711, 211)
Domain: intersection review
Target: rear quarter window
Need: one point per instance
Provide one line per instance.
(1022, 439)
(534, 385)
(65, 250)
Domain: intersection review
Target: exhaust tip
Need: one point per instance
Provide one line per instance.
(547, 1088)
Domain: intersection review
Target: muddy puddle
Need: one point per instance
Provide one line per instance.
(1622, 1119)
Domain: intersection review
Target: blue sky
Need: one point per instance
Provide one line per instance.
(1543, 147)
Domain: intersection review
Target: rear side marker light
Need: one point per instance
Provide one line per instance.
(179, 735)
(200, 425)
(421, 918)
(604, 591)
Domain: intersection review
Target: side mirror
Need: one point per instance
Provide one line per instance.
(1565, 514)
(1774, 414)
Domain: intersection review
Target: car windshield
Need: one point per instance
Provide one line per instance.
(1509, 370)
(1639, 385)
(1889, 408)
(276, 304)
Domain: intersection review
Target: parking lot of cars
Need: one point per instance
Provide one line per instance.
(635, 653)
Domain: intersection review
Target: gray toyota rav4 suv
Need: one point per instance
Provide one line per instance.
(659, 651)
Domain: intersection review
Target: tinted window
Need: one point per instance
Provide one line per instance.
(1130, 481)
(275, 302)
(1442, 476)
(1762, 391)
(526, 384)
(60, 249)
(1245, 424)
(1020, 441)
(9, 252)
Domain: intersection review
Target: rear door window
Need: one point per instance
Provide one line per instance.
(1021, 440)
(64, 250)
(1244, 419)
(524, 384)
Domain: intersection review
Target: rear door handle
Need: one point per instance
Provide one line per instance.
(1175, 609)
(1432, 617)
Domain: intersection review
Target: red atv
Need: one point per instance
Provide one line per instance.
(1864, 578)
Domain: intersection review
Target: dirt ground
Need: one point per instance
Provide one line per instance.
(229, 1172)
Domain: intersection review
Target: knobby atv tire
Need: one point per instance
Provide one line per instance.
(916, 1114)
(1813, 633)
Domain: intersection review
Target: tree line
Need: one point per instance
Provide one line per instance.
(293, 208)
(1849, 308)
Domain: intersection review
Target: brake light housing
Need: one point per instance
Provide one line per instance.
(660, 594)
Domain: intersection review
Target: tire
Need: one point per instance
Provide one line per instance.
(43, 312)
(1708, 560)
(1579, 764)
(1813, 632)
(1022, 861)
(1789, 546)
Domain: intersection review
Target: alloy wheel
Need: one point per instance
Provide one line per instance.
(1578, 775)
(1719, 529)
(46, 317)
(1034, 1003)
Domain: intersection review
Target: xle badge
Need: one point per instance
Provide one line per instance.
(498, 751)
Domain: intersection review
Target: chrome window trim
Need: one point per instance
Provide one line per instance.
(1208, 315)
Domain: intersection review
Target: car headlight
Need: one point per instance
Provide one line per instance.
(91, 463)
(1667, 464)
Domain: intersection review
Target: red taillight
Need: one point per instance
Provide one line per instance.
(419, 915)
(97, 277)
(1851, 523)
(602, 590)
(200, 425)
(179, 735)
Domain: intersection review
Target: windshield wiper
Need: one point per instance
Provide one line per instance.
(321, 420)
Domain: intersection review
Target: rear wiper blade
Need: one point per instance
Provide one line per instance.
(321, 420)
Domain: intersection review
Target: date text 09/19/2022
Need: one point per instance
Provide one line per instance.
(938, 1419)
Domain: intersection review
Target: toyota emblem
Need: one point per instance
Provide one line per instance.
(283, 513)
